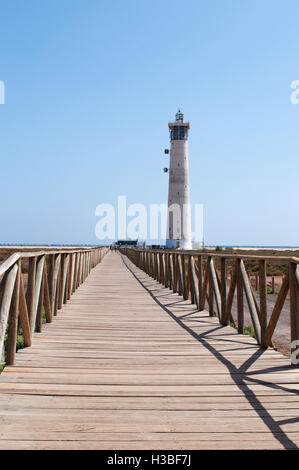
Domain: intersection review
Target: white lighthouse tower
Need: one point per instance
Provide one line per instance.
(179, 211)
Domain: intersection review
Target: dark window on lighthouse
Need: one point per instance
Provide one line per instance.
(179, 133)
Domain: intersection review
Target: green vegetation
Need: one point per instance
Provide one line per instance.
(249, 330)
(20, 341)
(20, 345)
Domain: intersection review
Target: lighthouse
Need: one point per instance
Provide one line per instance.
(179, 211)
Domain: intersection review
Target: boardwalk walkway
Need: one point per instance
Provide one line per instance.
(127, 364)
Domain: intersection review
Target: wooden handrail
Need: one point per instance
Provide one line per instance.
(53, 276)
(193, 275)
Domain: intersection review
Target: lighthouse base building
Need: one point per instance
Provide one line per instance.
(179, 210)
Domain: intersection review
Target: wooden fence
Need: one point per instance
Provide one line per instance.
(195, 276)
(52, 278)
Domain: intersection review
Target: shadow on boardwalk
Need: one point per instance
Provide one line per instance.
(239, 374)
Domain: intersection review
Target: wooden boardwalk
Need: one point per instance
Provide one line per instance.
(127, 364)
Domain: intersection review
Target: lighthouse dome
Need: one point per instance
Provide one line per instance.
(179, 116)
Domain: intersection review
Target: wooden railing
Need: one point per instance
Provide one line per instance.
(195, 276)
(52, 278)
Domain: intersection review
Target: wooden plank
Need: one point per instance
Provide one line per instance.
(129, 363)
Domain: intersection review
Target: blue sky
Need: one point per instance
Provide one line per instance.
(91, 85)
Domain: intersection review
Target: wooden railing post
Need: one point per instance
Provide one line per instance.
(8, 289)
(180, 275)
(70, 276)
(184, 278)
(75, 275)
(277, 310)
(211, 293)
(223, 290)
(215, 288)
(24, 318)
(166, 270)
(39, 313)
(46, 295)
(175, 273)
(37, 292)
(55, 293)
(240, 297)
(187, 287)
(200, 282)
(263, 299)
(230, 297)
(157, 266)
(171, 271)
(13, 319)
(294, 303)
(65, 278)
(31, 286)
(160, 272)
(250, 302)
(194, 282)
